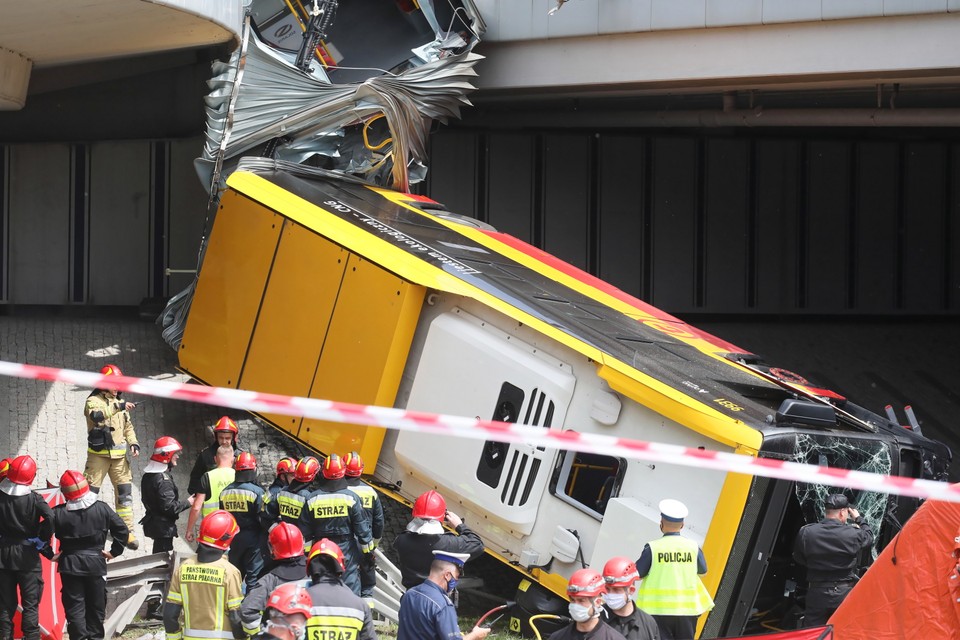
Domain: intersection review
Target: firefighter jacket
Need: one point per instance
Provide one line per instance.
(82, 532)
(335, 512)
(254, 603)
(370, 500)
(275, 487)
(287, 507)
(209, 595)
(672, 586)
(244, 500)
(116, 422)
(162, 503)
(212, 483)
(602, 631)
(830, 549)
(26, 524)
(415, 551)
(207, 461)
(337, 612)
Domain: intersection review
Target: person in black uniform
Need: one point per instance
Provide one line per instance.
(160, 496)
(830, 550)
(425, 533)
(338, 612)
(81, 525)
(243, 499)
(371, 504)
(620, 577)
(287, 613)
(26, 523)
(289, 565)
(586, 589)
(225, 433)
(288, 505)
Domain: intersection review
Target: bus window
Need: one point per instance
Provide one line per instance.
(587, 481)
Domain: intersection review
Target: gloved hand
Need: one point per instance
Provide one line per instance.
(97, 416)
(135, 450)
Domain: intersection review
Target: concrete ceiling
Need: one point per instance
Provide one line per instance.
(37, 35)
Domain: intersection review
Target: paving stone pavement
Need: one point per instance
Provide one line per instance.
(45, 420)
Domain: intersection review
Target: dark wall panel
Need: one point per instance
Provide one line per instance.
(953, 231)
(775, 275)
(674, 215)
(453, 168)
(827, 226)
(510, 183)
(923, 227)
(876, 196)
(566, 197)
(622, 167)
(726, 243)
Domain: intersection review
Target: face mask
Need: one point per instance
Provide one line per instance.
(579, 613)
(452, 584)
(615, 600)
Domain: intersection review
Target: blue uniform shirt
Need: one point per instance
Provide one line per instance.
(426, 613)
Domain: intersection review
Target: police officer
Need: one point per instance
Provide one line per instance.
(830, 550)
(288, 610)
(207, 498)
(109, 432)
(337, 611)
(243, 498)
(289, 565)
(370, 500)
(671, 566)
(335, 512)
(81, 525)
(426, 610)
(585, 590)
(620, 578)
(226, 433)
(206, 589)
(288, 505)
(425, 533)
(26, 523)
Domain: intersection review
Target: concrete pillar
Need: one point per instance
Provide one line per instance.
(14, 78)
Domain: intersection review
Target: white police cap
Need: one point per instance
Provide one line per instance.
(458, 559)
(673, 510)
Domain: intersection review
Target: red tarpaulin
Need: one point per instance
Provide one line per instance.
(907, 593)
(52, 620)
(813, 633)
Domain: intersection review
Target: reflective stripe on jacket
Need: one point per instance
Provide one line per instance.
(672, 587)
(206, 591)
(219, 478)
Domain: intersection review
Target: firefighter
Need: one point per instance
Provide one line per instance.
(289, 565)
(288, 610)
(286, 469)
(207, 499)
(426, 610)
(671, 566)
(337, 611)
(4, 468)
(288, 506)
(243, 498)
(109, 432)
(206, 589)
(162, 504)
(370, 500)
(585, 590)
(335, 512)
(620, 577)
(226, 433)
(26, 524)
(425, 533)
(81, 525)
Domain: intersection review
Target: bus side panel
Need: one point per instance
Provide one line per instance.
(229, 290)
(364, 354)
(297, 307)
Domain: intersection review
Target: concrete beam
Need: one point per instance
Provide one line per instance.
(14, 79)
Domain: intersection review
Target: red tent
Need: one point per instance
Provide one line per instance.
(911, 590)
(52, 620)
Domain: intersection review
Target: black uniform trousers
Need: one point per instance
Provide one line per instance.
(823, 598)
(85, 605)
(162, 544)
(677, 627)
(31, 588)
(368, 574)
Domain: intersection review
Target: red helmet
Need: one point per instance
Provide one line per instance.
(218, 529)
(354, 464)
(73, 485)
(620, 572)
(23, 470)
(4, 468)
(245, 462)
(333, 467)
(585, 583)
(290, 598)
(306, 469)
(286, 465)
(165, 448)
(330, 548)
(430, 506)
(286, 541)
(226, 424)
(111, 370)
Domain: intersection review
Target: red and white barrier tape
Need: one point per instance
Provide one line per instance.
(403, 420)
